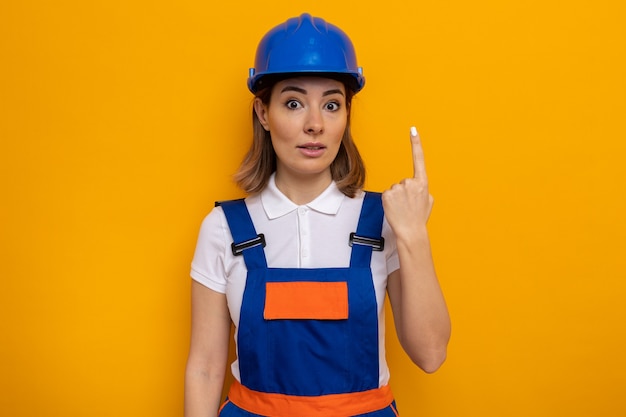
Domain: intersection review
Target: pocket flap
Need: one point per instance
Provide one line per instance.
(306, 300)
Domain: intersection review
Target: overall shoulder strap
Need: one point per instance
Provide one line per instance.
(246, 240)
(368, 234)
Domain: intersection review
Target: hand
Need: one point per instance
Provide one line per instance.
(408, 204)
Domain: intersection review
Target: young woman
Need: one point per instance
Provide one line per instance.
(303, 264)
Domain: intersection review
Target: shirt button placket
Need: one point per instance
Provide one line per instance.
(305, 244)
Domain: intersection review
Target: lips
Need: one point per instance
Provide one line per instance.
(312, 150)
(312, 146)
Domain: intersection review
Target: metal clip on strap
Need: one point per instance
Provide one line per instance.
(238, 248)
(376, 244)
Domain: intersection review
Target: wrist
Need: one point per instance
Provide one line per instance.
(412, 236)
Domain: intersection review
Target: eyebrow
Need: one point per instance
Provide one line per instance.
(303, 91)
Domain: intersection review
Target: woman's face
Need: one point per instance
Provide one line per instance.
(306, 117)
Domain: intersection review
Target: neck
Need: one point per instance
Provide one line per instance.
(302, 190)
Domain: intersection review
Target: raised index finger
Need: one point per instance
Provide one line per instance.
(419, 168)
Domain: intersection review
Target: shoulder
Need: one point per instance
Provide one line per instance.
(356, 201)
(213, 228)
(215, 224)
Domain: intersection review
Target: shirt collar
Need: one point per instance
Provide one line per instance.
(276, 204)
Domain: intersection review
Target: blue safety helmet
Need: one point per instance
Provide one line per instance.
(305, 45)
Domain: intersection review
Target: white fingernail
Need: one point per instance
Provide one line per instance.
(413, 131)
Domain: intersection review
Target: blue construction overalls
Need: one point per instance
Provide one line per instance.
(295, 362)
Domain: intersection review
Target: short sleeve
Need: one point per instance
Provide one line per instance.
(208, 266)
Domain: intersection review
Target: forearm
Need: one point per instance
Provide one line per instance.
(208, 352)
(420, 312)
(203, 390)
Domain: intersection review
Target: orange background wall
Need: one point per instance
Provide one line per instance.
(122, 121)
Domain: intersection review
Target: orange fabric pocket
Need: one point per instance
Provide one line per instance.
(306, 300)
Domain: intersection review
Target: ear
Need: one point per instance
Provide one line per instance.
(261, 112)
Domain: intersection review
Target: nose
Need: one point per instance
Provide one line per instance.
(314, 124)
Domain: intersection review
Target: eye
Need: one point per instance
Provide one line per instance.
(293, 104)
(332, 106)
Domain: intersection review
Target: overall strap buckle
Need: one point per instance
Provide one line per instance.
(238, 248)
(375, 244)
(244, 234)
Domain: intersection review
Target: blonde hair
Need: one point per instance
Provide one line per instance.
(347, 170)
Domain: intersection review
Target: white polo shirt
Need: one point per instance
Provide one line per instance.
(314, 235)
